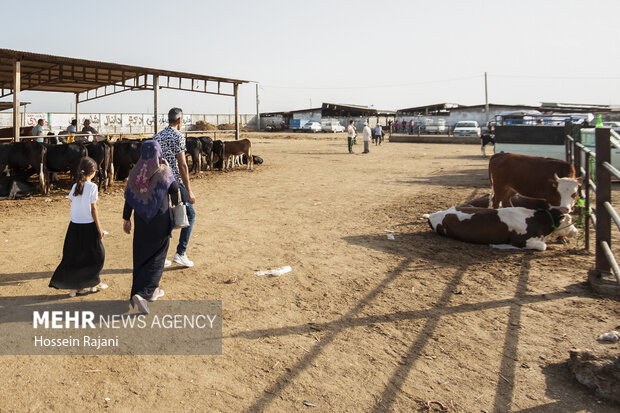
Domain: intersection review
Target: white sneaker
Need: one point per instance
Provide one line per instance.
(141, 303)
(167, 263)
(156, 294)
(182, 260)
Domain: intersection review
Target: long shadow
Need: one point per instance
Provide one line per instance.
(14, 278)
(506, 379)
(475, 178)
(388, 397)
(301, 329)
(281, 382)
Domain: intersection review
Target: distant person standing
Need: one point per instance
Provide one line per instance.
(72, 128)
(172, 144)
(379, 134)
(366, 135)
(404, 125)
(411, 125)
(351, 132)
(38, 130)
(89, 129)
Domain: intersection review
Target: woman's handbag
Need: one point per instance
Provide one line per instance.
(179, 213)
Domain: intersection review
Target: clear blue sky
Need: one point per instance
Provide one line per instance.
(390, 54)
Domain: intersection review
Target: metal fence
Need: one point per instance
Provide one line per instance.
(586, 163)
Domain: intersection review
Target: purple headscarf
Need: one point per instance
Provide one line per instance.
(148, 182)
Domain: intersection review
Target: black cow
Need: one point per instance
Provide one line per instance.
(193, 149)
(101, 153)
(24, 159)
(486, 139)
(217, 155)
(64, 158)
(207, 150)
(126, 155)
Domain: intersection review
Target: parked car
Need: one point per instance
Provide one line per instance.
(467, 128)
(312, 127)
(331, 126)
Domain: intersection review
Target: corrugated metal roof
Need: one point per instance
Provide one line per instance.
(64, 74)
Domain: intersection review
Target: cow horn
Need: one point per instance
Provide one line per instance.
(555, 176)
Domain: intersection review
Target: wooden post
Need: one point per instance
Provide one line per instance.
(603, 194)
(16, 89)
(236, 111)
(155, 92)
(576, 151)
(567, 142)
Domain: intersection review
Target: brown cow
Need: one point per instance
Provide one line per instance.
(236, 148)
(504, 227)
(534, 177)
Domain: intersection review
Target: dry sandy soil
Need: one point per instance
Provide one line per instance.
(362, 323)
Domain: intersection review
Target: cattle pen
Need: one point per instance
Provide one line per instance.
(596, 169)
(89, 80)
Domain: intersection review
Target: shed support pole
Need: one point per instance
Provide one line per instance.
(236, 111)
(16, 89)
(155, 93)
(77, 112)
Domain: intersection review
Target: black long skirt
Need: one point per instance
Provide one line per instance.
(83, 256)
(150, 246)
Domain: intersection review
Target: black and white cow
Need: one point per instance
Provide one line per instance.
(504, 227)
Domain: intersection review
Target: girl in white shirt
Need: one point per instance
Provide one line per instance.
(83, 254)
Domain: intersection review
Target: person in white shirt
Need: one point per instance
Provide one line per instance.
(366, 134)
(83, 254)
(351, 132)
(378, 132)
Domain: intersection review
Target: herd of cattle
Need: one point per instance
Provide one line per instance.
(536, 194)
(114, 160)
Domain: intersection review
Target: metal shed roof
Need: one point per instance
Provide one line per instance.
(49, 73)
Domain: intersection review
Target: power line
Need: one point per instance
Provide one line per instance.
(556, 77)
(428, 82)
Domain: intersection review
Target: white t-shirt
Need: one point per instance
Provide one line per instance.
(80, 204)
(350, 131)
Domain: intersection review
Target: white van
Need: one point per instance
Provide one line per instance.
(331, 125)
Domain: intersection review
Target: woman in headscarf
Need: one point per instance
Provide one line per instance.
(149, 184)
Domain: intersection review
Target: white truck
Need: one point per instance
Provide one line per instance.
(435, 126)
(331, 125)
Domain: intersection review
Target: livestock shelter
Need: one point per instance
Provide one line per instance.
(89, 80)
(340, 112)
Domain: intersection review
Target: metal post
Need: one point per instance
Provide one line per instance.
(567, 142)
(603, 194)
(257, 110)
(236, 111)
(77, 112)
(576, 134)
(486, 98)
(586, 186)
(16, 89)
(155, 97)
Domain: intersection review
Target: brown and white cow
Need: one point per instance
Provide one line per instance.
(534, 177)
(504, 227)
(236, 148)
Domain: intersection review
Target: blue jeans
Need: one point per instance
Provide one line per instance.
(191, 217)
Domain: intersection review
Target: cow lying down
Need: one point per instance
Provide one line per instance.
(503, 228)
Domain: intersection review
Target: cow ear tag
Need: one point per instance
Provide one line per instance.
(581, 202)
(555, 184)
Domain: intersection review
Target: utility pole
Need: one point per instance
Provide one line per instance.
(257, 110)
(486, 97)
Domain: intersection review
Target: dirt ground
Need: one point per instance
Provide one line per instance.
(361, 323)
